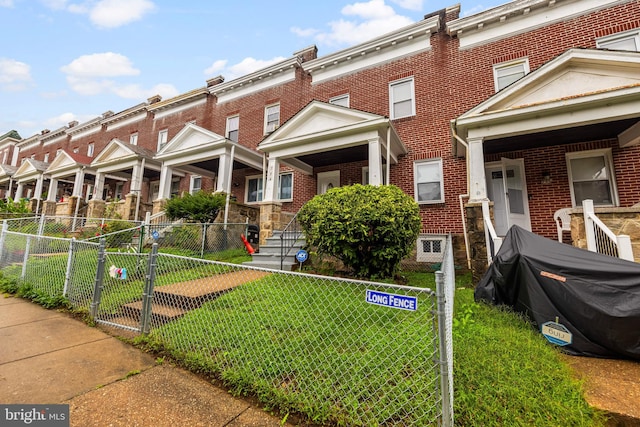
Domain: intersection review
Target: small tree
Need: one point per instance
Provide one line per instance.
(369, 228)
(200, 207)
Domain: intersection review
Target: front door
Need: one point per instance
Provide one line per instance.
(507, 189)
(328, 180)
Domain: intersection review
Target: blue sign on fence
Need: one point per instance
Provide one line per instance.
(155, 235)
(385, 299)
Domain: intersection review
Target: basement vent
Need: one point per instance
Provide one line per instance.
(430, 248)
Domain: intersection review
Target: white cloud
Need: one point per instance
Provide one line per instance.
(134, 91)
(6, 3)
(14, 75)
(115, 13)
(302, 32)
(216, 67)
(246, 66)
(60, 120)
(363, 22)
(100, 65)
(410, 4)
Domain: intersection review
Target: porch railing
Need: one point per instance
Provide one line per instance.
(290, 235)
(601, 239)
(491, 237)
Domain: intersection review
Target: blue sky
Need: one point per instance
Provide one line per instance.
(65, 60)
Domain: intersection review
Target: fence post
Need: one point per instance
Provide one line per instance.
(147, 296)
(3, 234)
(67, 275)
(99, 283)
(447, 413)
(587, 210)
(25, 258)
(625, 250)
(43, 219)
(204, 239)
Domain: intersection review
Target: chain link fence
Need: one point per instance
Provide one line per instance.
(336, 351)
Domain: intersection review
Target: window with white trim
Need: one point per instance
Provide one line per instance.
(254, 188)
(628, 40)
(430, 248)
(506, 73)
(76, 150)
(133, 139)
(46, 157)
(90, 149)
(119, 190)
(428, 182)
(196, 184)
(163, 136)
(271, 118)
(342, 100)
(175, 187)
(402, 100)
(591, 177)
(233, 126)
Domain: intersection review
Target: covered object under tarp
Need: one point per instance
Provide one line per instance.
(591, 300)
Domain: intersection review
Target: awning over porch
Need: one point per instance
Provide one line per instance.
(583, 94)
(30, 171)
(323, 134)
(6, 178)
(70, 166)
(199, 151)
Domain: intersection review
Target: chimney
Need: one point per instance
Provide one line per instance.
(45, 131)
(215, 81)
(154, 99)
(73, 123)
(107, 114)
(307, 54)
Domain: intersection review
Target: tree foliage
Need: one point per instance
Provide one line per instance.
(10, 206)
(369, 228)
(200, 207)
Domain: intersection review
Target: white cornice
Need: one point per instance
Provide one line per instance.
(170, 106)
(400, 43)
(270, 76)
(54, 136)
(84, 129)
(519, 16)
(177, 107)
(135, 113)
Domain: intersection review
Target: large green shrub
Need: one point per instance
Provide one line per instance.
(369, 228)
(200, 207)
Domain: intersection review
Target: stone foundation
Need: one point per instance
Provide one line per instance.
(96, 209)
(477, 240)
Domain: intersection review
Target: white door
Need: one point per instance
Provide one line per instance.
(328, 180)
(507, 188)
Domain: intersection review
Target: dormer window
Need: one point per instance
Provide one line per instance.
(506, 73)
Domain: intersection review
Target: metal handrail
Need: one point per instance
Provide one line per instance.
(290, 235)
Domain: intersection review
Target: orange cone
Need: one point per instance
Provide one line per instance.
(247, 245)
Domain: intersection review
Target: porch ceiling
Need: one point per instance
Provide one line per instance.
(572, 135)
(344, 155)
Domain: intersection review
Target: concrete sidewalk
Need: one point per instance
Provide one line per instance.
(47, 357)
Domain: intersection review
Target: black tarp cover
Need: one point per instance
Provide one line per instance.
(596, 297)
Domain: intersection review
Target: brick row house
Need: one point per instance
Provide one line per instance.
(533, 105)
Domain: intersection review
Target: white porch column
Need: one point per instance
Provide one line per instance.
(37, 194)
(78, 183)
(53, 190)
(375, 162)
(99, 187)
(225, 165)
(164, 191)
(271, 186)
(136, 178)
(19, 191)
(477, 179)
(9, 194)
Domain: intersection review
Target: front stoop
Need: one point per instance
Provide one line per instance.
(269, 254)
(174, 301)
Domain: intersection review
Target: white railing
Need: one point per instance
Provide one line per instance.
(493, 241)
(156, 218)
(601, 239)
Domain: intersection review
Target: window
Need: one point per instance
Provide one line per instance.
(428, 184)
(5, 153)
(285, 186)
(402, 99)
(162, 138)
(33, 156)
(271, 118)
(629, 40)
(196, 184)
(508, 72)
(90, 149)
(175, 187)
(342, 100)
(119, 188)
(46, 157)
(233, 124)
(255, 188)
(430, 248)
(591, 177)
(133, 139)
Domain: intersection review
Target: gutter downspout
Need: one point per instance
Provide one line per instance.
(452, 126)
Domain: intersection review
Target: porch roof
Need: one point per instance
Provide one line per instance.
(66, 164)
(30, 170)
(120, 156)
(197, 150)
(587, 91)
(322, 134)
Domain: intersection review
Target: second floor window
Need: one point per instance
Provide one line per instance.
(271, 118)
(233, 125)
(90, 149)
(508, 72)
(628, 40)
(133, 139)
(162, 138)
(402, 98)
(342, 100)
